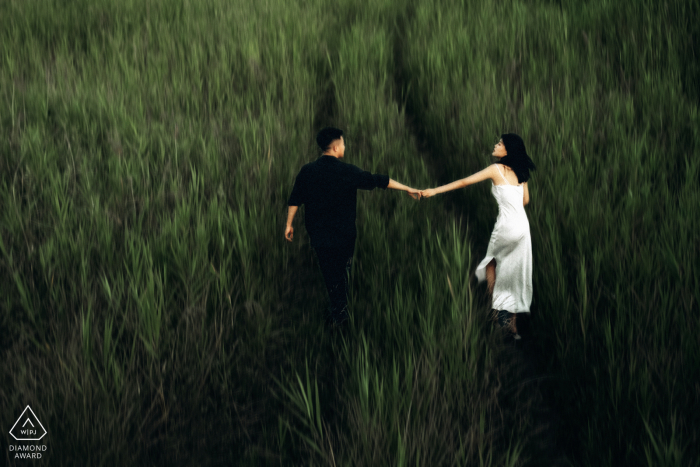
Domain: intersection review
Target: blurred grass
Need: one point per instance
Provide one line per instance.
(604, 94)
(151, 307)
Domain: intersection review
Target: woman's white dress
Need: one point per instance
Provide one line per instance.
(510, 245)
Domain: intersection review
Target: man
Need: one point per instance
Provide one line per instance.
(328, 188)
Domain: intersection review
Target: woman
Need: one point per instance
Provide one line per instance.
(507, 266)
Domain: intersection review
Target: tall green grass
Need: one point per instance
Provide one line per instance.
(152, 312)
(151, 149)
(604, 95)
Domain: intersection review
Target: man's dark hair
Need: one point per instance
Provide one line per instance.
(325, 137)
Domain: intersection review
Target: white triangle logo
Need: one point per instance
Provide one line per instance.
(28, 427)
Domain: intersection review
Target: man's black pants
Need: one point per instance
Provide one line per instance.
(335, 265)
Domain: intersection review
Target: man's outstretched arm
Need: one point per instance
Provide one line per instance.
(289, 230)
(394, 185)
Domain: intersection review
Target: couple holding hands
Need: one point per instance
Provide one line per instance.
(328, 188)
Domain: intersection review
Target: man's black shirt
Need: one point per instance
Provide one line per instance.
(328, 188)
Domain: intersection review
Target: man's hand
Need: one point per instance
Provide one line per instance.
(428, 193)
(289, 231)
(413, 193)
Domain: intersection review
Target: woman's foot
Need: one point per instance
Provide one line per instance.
(502, 317)
(506, 321)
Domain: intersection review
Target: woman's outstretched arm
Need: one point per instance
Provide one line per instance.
(486, 174)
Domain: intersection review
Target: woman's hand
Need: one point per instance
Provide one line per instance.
(428, 193)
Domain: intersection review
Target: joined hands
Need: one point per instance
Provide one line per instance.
(413, 193)
(418, 194)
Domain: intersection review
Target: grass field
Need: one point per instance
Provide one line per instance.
(153, 314)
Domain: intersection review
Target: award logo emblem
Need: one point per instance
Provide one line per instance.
(28, 427)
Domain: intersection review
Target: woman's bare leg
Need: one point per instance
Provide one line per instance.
(491, 281)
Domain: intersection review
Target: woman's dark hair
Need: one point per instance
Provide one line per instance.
(517, 159)
(325, 137)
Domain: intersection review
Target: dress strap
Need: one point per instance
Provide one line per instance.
(499, 171)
